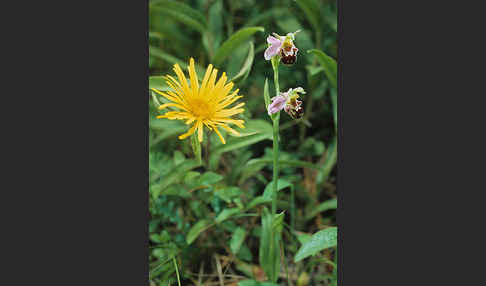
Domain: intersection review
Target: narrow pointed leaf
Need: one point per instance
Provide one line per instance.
(234, 41)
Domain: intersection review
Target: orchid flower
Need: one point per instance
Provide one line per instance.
(282, 46)
(288, 101)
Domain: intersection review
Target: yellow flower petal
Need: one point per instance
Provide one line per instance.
(202, 106)
(193, 77)
(200, 131)
(219, 134)
(188, 133)
(206, 77)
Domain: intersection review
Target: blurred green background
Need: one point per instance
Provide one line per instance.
(206, 217)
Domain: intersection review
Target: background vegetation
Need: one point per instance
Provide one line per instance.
(205, 219)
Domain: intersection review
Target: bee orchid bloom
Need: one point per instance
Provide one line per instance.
(288, 101)
(282, 46)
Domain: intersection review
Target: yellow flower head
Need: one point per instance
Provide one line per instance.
(202, 105)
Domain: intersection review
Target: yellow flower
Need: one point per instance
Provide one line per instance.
(202, 105)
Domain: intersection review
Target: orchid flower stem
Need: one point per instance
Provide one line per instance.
(275, 139)
(275, 119)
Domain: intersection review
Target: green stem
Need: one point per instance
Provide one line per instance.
(177, 271)
(275, 119)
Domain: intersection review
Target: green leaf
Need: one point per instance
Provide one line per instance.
(234, 41)
(237, 240)
(246, 68)
(235, 144)
(181, 12)
(176, 176)
(196, 230)
(269, 259)
(320, 240)
(303, 238)
(245, 253)
(215, 25)
(226, 213)
(329, 65)
(178, 157)
(322, 207)
(282, 184)
(158, 82)
(209, 178)
(277, 223)
(334, 106)
(158, 53)
(228, 193)
(255, 126)
(258, 200)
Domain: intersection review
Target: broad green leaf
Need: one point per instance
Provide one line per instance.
(322, 207)
(196, 230)
(303, 238)
(329, 65)
(226, 213)
(228, 193)
(311, 10)
(282, 184)
(246, 68)
(209, 178)
(235, 40)
(320, 240)
(269, 258)
(181, 12)
(237, 239)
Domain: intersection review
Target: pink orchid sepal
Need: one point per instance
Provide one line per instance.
(282, 47)
(288, 101)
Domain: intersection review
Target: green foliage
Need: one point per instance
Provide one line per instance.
(234, 41)
(328, 64)
(211, 198)
(196, 230)
(269, 257)
(321, 240)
